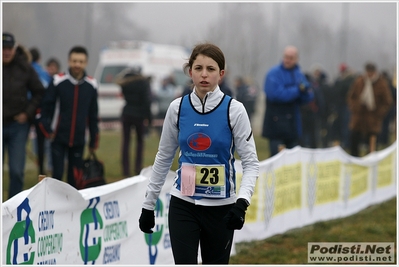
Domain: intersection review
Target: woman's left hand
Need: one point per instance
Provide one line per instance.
(235, 218)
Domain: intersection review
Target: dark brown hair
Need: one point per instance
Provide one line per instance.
(79, 50)
(209, 50)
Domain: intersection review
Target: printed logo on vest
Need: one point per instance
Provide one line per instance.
(199, 141)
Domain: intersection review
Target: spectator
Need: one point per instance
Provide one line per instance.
(395, 103)
(137, 93)
(204, 207)
(369, 100)
(41, 145)
(19, 79)
(53, 66)
(246, 94)
(43, 74)
(76, 93)
(286, 88)
(224, 87)
(390, 118)
(338, 108)
(188, 88)
(313, 113)
(164, 97)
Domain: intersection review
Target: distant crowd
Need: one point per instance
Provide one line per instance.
(355, 111)
(327, 118)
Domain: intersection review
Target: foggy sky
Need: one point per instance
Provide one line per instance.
(194, 18)
(325, 33)
(189, 23)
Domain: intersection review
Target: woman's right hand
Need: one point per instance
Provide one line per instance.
(147, 221)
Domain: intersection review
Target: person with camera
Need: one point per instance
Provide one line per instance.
(286, 89)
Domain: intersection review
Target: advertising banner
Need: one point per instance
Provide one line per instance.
(301, 186)
(53, 223)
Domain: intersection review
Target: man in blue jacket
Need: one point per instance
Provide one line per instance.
(76, 94)
(286, 88)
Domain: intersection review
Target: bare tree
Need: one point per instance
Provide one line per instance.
(52, 28)
(241, 33)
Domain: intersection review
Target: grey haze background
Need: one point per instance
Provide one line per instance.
(252, 35)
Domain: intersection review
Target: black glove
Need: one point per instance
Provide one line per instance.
(147, 221)
(235, 218)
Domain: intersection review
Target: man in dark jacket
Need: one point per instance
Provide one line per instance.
(135, 114)
(246, 94)
(338, 108)
(76, 94)
(19, 79)
(286, 88)
(41, 145)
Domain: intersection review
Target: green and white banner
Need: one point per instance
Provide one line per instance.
(53, 223)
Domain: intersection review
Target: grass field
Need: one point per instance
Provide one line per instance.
(375, 224)
(110, 153)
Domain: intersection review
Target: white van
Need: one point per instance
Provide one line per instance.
(155, 60)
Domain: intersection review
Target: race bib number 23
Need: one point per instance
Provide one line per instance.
(203, 180)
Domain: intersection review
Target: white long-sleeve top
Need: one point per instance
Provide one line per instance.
(243, 140)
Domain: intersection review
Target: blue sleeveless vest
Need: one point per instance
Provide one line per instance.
(206, 145)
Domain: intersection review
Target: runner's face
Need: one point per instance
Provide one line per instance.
(205, 74)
